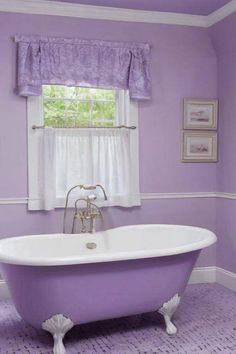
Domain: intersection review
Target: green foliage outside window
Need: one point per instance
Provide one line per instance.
(77, 106)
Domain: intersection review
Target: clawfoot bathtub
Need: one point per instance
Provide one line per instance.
(58, 281)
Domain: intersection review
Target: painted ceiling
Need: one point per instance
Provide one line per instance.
(196, 7)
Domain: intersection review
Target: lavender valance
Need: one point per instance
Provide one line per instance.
(87, 63)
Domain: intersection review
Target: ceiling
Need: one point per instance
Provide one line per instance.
(195, 7)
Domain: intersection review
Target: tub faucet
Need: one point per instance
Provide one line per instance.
(88, 213)
(85, 214)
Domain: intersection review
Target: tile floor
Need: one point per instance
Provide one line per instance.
(206, 321)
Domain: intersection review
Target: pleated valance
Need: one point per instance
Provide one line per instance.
(78, 62)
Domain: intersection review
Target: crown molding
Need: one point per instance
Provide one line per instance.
(55, 8)
(221, 13)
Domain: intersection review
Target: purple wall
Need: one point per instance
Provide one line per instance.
(183, 64)
(225, 45)
(224, 41)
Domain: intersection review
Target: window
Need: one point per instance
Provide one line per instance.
(76, 141)
(76, 106)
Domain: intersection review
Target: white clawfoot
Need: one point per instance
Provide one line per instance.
(167, 310)
(58, 326)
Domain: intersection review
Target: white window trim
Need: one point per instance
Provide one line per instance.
(35, 117)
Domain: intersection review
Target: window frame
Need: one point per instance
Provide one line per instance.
(125, 106)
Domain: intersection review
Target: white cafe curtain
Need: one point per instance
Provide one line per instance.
(87, 156)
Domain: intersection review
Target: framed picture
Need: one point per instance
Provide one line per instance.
(200, 114)
(199, 146)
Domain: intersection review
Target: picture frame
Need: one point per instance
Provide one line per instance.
(200, 114)
(199, 146)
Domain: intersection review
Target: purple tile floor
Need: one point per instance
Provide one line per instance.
(206, 321)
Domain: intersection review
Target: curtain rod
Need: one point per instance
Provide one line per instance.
(86, 127)
(13, 40)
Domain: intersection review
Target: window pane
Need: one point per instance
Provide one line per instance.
(103, 111)
(54, 113)
(99, 94)
(71, 92)
(53, 91)
(84, 93)
(83, 116)
(71, 109)
(78, 106)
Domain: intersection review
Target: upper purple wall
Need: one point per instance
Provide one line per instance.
(224, 41)
(183, 65)
(199, 7)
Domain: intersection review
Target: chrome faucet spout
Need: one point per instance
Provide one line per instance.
(104, 193)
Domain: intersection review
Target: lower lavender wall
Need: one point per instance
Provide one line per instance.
(196, 212)
(183, 65)
(226, 231)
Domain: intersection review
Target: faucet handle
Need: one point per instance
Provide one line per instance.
(91, 197)
(93, 187)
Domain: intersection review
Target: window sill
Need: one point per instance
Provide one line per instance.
(120, 201)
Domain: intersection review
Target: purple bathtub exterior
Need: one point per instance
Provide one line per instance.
(97, 291)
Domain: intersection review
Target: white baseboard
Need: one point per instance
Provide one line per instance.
(4, 292)
(226, 278)
(203, 275)
(200, 275)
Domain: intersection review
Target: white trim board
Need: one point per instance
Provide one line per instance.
(145, 196)
(200, 275)
(188, 195)
(221, 13)
(157, 196)
(7, 201)
(203, 275)
(4, 292)
(224, 195)
(56, 8)
(226, 278)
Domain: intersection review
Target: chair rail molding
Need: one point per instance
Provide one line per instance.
(56, 8)
(7, 201)
(157, 196)
(144, 196)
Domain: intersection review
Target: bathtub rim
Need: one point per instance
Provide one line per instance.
(108, 256)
